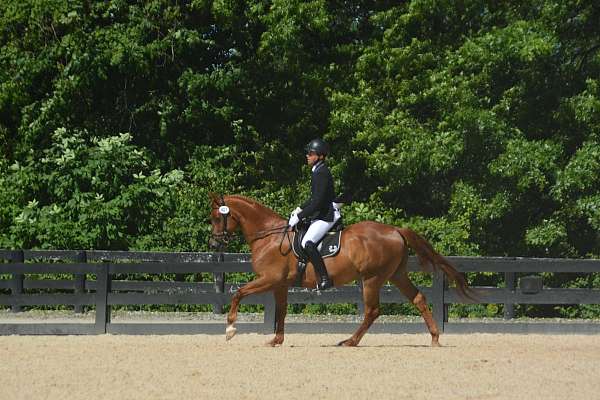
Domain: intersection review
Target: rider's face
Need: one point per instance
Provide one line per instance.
(312, 158)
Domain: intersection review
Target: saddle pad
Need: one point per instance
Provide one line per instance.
(329, 246)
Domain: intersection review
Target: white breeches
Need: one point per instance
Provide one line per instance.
(318, 228)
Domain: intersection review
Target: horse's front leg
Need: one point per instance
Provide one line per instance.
(281, 295)
(258, 285)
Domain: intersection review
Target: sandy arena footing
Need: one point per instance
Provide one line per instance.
(385, 366)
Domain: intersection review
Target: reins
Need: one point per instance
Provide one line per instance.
(268, 232)
(272, 231)
(225, 236)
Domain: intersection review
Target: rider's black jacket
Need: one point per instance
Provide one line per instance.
(321, 195)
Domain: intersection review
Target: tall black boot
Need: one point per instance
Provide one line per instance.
(323, 280)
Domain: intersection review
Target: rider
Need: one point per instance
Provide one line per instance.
(319, 209)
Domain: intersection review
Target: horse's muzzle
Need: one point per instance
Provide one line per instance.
(219, 242)
(214, 244)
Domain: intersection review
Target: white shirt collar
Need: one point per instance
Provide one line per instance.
(317, 165)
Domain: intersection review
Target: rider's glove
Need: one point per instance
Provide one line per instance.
(293, 220)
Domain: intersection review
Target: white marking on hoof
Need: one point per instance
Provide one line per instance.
(230, 332)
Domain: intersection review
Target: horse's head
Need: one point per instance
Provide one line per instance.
(224, 224)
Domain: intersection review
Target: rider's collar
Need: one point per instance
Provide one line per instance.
(317, 165)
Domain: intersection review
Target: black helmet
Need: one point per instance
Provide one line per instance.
(318, 146)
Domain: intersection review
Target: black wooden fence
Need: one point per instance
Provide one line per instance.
(96, 280)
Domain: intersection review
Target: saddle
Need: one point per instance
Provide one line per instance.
(328, 246)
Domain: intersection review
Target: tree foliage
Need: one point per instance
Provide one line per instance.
(476, 122)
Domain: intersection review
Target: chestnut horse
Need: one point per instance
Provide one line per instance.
(371, 251)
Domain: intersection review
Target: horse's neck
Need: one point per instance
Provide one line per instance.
(254, 217)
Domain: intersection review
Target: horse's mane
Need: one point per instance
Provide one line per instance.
(254, 204)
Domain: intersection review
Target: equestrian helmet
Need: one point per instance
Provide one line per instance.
(319, 146)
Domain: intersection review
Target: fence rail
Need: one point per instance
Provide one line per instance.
(95, 284)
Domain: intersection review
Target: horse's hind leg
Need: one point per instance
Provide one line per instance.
(402, 282)
(371, 288)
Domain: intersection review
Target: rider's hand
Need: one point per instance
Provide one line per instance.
(293, 220)
(297, 210)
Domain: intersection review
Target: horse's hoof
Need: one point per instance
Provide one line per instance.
(230, 332)
(347, 343)
(275, 342)
(436, 344)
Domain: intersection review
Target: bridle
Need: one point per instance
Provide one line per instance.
(224, 238)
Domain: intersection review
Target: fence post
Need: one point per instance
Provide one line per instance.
(509, 308)
(270, 313)
(439, 307)
(179, 277)
(361, 304)
(102, 290)
(80, 257)
(219, 279)
(18, 256)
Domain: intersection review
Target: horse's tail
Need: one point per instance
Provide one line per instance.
(427, 257)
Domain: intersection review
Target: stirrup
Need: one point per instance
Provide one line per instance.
(329, 285)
